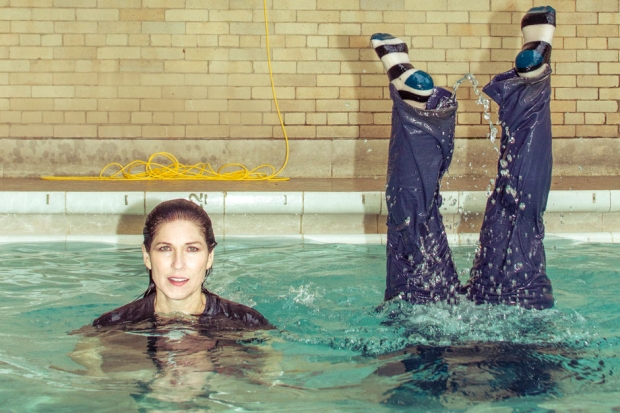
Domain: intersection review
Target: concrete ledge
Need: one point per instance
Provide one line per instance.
(342, 158)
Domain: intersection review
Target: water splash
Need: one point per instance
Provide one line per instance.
(486, 105)
(305, 294)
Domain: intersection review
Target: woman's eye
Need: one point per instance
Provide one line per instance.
(164, 248)
(192, 249)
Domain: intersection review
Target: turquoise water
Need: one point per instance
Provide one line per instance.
(336, 348)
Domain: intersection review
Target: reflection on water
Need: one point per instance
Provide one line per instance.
(171, 364)
(457, 376)
(337, 348)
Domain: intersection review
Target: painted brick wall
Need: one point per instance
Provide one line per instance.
(197, 69)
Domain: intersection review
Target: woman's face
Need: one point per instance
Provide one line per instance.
(178, 260)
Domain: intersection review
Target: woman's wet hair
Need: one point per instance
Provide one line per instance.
(176, 210)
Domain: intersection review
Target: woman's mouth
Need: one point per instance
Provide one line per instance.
(178, 281)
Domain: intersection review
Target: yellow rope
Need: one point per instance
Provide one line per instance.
(173, 170)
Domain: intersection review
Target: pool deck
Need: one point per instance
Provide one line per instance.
(464, 183)
(326, 210)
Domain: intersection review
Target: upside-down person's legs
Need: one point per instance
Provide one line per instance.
(419, 261)
(509, 267)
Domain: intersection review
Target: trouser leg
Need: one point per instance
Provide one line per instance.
(509, 266)
(420, 268)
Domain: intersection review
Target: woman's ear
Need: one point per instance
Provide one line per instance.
(210, 259)
(146, 257)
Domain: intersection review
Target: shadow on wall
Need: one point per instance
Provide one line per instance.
(130, 224)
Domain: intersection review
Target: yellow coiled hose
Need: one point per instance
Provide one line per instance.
(154, 169)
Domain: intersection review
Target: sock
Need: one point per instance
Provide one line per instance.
(537, 26)
(414, 86)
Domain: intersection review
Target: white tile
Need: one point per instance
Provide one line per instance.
(383, 239)
(18, 239)
(263, 203)
(384, 210)
(262, 224)
(344, 239)
(135, 240)
(450, 202)
(579, 201)
(212, 202)
(297, 238)
(124, 203)
(32, 203)
(472, 201)
(342, 202)
(615, 201)
(341, 224)
(615, 237)
(468, 239)
(603, 237)
(453, 239)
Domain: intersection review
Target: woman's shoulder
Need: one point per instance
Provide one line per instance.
(239, 315)
(133, 312)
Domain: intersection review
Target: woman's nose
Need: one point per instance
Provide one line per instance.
(178, 261)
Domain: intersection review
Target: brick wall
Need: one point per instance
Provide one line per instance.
(123, 70)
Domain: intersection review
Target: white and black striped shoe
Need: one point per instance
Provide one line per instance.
(537, 26)
(413, 85)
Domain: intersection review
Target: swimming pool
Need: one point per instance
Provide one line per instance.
(336, 348)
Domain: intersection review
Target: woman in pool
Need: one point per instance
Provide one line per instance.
(178, 254)
(509, 267)
(176, 339)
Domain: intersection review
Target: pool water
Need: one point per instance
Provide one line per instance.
(337, 348)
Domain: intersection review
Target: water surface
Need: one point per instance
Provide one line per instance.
(337, 348)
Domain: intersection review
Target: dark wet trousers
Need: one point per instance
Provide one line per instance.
(509, 267)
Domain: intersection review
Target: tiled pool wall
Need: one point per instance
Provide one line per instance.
(351, 216)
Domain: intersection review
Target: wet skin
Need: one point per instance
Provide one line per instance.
(178, 260)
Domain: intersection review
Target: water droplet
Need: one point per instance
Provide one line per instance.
(486, 104)
(522, 206)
